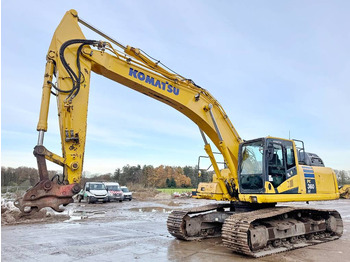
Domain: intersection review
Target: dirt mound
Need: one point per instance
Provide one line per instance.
(141, 192)
(144, 195)
(173, 204)
(162, 196)
(11, 215)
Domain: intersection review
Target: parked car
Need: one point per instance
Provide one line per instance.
(127, 193)
(93, 192)
(114, 191)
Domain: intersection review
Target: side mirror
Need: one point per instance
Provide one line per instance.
(87, 188)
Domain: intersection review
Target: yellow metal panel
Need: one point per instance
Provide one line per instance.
(269, 189)
(210, 191)
(291, 183)
(325, 180)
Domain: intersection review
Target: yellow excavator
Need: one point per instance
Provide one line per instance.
(256, 175)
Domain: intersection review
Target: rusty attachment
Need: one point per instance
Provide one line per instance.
(76, 189)
(47, 185)
(47, 194)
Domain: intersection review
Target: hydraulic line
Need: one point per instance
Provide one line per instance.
(100, 33)
(83, 22)
(76, 80)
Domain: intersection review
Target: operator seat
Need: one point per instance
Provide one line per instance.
(275, 160)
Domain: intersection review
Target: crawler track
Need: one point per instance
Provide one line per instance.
(260, 232)
(178, 222)
(238, 230)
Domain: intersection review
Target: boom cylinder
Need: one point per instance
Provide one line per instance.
(214, 122)
(224, 149)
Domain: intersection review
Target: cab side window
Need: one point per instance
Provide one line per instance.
(290, 156)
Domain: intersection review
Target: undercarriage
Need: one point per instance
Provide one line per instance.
(256, 231)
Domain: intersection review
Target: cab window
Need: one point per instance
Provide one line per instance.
(290, 156)
(251, 166)
(276, 165)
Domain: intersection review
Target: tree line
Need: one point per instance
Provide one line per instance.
(343, 177)
(20, 176)
(147, 175)
(160, 177)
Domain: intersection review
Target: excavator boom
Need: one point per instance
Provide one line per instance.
(70, 60)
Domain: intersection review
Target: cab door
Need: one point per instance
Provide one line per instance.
(280, 164)
(276, 163)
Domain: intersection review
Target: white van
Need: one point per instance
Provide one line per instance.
(114, 191)
(127, 193)
(93, 192)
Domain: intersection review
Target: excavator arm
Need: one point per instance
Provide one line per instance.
(70, 60)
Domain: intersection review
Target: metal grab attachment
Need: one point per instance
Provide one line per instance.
(46, 193)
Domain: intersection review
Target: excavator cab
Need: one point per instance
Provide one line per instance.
(265, 160)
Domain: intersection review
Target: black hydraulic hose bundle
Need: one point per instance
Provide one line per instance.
(76, 80)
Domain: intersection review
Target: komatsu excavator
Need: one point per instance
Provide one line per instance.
(257, 173)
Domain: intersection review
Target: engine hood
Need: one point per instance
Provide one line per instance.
(98, 192)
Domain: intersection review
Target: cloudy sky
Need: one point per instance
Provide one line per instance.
(275, 66)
